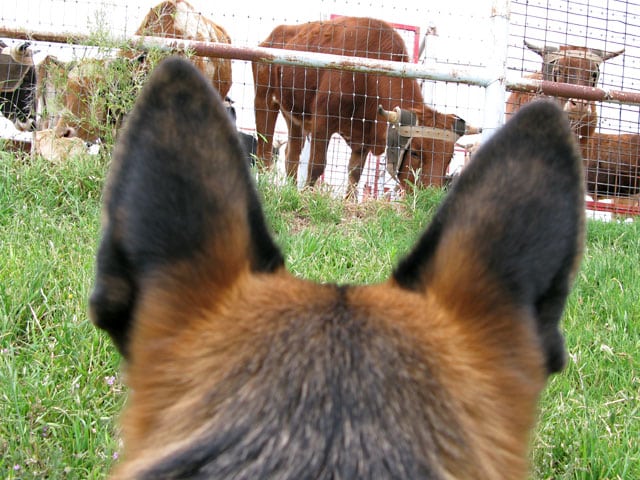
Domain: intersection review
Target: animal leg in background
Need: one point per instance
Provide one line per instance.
(266, 113)
(356, 164)
(295, 143)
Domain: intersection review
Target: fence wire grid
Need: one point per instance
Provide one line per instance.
(451, 36)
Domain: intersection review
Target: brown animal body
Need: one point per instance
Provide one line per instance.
(320, 103)
(178, 19)
(94, 93)
(93, 99)
(239, 369)
(610, 161)
(611, 164)
(572, 65)
(70, 99)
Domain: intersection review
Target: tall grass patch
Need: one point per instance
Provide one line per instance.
(58, 376)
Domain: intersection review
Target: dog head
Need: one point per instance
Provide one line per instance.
(238, 369)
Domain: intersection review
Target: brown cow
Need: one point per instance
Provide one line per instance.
(29, 87)
(178, 19)
(567, 64)
(95, 96)
(611, 164)
(47, 144)
(610, 161)
(319, 103)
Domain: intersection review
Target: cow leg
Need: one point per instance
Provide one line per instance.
(266, 113)
(317, 159)
(295, 143)
(356, 164)
(265, 126)
(321, 130)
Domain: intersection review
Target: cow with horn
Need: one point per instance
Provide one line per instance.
(318, 103)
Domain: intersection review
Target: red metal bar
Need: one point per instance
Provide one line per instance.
(567, 90)
(612, 208)
(339, 62)
(54, 37)
(298, 58)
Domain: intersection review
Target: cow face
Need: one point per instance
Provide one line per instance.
(417, 153)
(575, 66)
(570, 64)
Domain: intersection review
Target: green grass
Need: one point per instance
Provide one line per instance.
(56, 401)
(60, 387)
(590, 414)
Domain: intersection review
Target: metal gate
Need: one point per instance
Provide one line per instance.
(468, 56)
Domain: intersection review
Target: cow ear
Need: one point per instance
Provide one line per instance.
(510, 233)
(179, 192)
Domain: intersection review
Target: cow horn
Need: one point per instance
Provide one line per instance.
(542, 51)
(391, 116)
(21, 53)
(606, 55)
(471, 130)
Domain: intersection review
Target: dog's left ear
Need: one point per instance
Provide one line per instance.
(179, 192)
(509, 236)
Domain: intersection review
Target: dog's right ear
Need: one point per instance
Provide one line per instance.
(509, 235)
(179, 192)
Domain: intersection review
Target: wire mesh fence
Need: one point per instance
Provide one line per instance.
(323, 125)
(598, 44)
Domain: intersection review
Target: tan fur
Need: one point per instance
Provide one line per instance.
(481, 366)
(57, 149)
(166, 404)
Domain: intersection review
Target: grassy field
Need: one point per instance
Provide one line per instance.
(60, 387)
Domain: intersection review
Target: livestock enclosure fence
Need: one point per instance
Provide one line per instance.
(467, 57)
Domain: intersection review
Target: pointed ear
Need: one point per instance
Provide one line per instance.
(178, 190)
(511, 230)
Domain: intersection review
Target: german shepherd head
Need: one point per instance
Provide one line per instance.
(238, 369)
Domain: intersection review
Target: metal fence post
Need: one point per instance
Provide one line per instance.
(495, 93)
